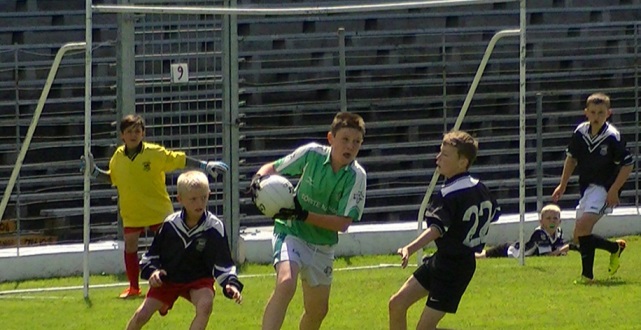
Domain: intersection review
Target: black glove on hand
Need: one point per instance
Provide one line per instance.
(297, 213)
(254, 186)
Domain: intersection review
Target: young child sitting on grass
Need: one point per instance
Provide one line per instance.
(546, 240)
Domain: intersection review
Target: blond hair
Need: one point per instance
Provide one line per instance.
(550, 208)
(192, 180)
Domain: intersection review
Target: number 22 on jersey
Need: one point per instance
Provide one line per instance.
(482, 213)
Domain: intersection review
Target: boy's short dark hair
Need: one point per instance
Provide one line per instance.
(464, 143)
(131, 120)
(598, 98)
(348, 120)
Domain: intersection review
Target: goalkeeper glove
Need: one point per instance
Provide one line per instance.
(297, 213)
(254, 186)
(214, 167)
(91, 163)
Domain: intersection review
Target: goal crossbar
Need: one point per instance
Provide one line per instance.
(289, 11)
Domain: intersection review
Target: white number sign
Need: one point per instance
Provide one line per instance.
(179, 73)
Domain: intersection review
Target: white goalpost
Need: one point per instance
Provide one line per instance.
(90, 9)
(463, 112)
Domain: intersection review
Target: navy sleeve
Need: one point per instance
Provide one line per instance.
(532, 244)
(497, 210)
(622, 155)
(222, 265)
(436, 214)
(573, 148)
(151, 259)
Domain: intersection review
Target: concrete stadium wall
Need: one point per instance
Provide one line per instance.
(373, 239)
(365, 239)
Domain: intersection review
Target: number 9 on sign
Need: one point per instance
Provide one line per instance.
(179, 73)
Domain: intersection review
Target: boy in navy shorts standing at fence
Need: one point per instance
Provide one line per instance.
(458, 219)
(597, 150)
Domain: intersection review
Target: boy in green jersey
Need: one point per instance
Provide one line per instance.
(330, 195)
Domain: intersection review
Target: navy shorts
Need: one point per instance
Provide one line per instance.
(446, 278)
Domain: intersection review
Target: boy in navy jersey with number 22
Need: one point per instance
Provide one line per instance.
(458, 219)
(597, 150)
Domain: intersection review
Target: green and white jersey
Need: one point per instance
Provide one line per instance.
(322, 191)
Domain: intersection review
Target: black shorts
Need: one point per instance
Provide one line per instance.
(446, 278)
(497, 251)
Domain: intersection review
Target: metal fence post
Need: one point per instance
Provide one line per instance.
(636, 113)
(125, 64)
(231, 124)
(125, 76)
(539, 151)
(343, 73)
(16, 78)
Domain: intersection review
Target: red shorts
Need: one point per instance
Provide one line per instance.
(130, 230)
(169, 292)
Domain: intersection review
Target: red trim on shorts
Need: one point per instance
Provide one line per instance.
(169, 292)
(131, 230)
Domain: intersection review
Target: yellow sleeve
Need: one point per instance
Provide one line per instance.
(174, 160)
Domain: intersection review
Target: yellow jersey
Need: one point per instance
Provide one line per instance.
(142, 193)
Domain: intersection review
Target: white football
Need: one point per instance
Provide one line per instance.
(274, 193)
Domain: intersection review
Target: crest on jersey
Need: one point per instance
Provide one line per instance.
(604, 150)
(146, 166)
(200, 244)
(358, 197)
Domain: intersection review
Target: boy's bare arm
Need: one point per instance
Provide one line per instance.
(561, 251)
(568, 168)
(621, 178)
(612, 198)
(266, 169)
(427, 236)
(102, 175)
(331, 222)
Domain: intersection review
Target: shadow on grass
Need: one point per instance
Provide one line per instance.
(348, 260)
(120, 277)
(609, 282)
(540, 269)
(241, 268)
(88, 302)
